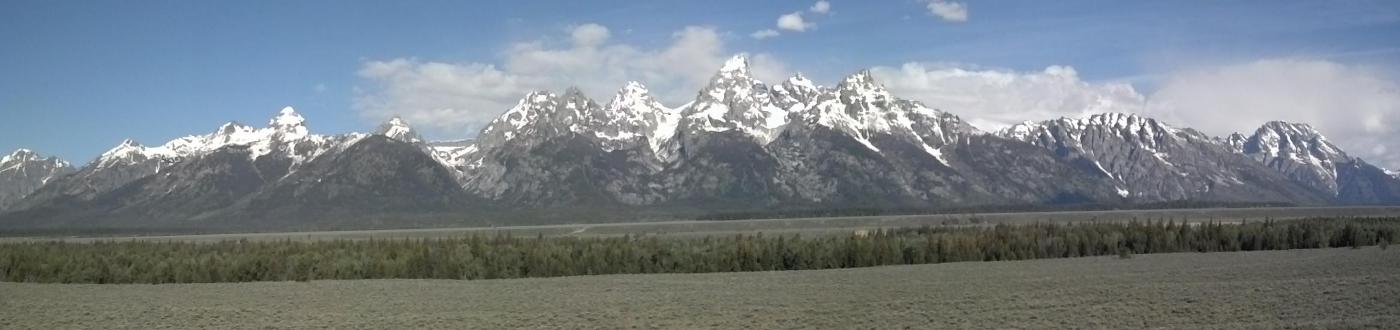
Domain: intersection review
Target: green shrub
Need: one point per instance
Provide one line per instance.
(504, 256)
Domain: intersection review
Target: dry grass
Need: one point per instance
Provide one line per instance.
(1334, 288)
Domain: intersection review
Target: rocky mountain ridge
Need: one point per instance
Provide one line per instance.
(741, 145)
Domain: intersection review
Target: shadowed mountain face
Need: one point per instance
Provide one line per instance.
(741, 145)
(375, 176)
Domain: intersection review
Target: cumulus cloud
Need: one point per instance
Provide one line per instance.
(950, 11)
(821, 7)
(459, 98)
(589, 35)
(764, 34)
(1354, 106)
(994, 99)
(794, 22)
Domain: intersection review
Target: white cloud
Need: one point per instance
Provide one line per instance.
(950, 11)
(821, 7)
(993, 99)
(764, 34)
(590, 35)
(1353, 106)
(458, 99)
(794, 22)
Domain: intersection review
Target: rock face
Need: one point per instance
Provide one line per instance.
(377, 175)
(24, 171)
(740, 145)
(1306, 156)
(238, 177)
(1152, 161)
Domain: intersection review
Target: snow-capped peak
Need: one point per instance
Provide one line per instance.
(290, 124)
(633, 113)
(737, 64)
(860, 79)
(800, 80)
(795, 93)
(631, 93)
(286, 133)
(1236, 142)
(1297, 150)
(1294, 140)
(735, 101)
(862, 108)
(129, 152)
(1082, 134)
(19, 155)
(862, 85)
(288, 117)
(398, 129)
(22, 155)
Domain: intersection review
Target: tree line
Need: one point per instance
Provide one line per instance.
(505, 256)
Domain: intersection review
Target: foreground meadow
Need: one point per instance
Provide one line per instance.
(1332, 288)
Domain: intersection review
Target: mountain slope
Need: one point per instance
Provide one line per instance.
(740, 146)
(1306, 156)
(377, 176)
(1155, 162)
(24, 171)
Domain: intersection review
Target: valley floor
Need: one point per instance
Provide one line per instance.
(1333, 288)
(807, 226)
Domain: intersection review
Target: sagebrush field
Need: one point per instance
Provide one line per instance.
(1316, 288)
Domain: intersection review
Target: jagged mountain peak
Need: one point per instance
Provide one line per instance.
(1122, 120)
(737, 64)
(232, 127)
(862, 77)
(1299, 151)
(796, 93)
(290, 124)
(1235, 142)
(129, 151)
(861, 108)
(398, 129)
(20, 154)
(1278, 137)
(863, 86)
(735, 101)
(632, 92)
(1146, 130)
(24, 171)
(287, 117)
(23, 155)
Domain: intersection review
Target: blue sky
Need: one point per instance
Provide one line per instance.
(76, 77)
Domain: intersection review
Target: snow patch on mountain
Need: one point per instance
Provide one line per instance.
(863, 109)
(22, 159)
(735, 101)
(632, 114)
(24, 171)
(398, 129)
(285, 135)
(1145, 134)
(1297, 150)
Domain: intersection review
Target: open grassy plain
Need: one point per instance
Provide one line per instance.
(1319, 288)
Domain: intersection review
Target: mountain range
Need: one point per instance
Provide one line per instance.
(740, 146)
